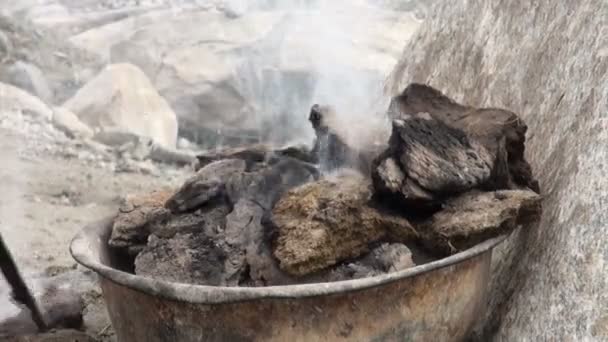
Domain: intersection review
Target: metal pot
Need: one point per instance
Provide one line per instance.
(438, 301)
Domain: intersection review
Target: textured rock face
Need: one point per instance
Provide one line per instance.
(547, 61)
(122, 97)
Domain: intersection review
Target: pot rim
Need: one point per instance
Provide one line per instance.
(205, 294)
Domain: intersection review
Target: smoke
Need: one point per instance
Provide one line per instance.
(327, 52)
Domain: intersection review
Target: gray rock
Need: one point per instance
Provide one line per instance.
(549, 281)
(122, 97)
(29, 77)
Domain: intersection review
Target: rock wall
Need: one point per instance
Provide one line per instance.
(548, 61)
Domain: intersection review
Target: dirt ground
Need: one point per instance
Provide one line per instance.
(47, 199)
(51, 187)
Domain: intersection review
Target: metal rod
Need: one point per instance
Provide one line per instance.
(21, 293)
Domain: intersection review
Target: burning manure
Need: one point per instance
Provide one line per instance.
(448, 177)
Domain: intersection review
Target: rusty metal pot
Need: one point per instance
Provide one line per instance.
(438, 301)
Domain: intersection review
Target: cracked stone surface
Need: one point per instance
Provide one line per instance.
(548, 62)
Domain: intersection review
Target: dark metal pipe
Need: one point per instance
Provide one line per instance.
(21, 292)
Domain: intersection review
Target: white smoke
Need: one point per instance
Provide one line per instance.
(326, 52)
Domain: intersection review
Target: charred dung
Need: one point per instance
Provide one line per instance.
(447, 177)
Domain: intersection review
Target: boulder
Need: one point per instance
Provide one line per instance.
(13, 99)
(122, 97)
(29, 77)
(549, 280)
(474, 217)
(67, 122)
(326, 222)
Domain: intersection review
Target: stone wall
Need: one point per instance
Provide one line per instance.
(548, 61)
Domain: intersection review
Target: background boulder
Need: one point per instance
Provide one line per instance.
(547, 61)
(122, 97)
